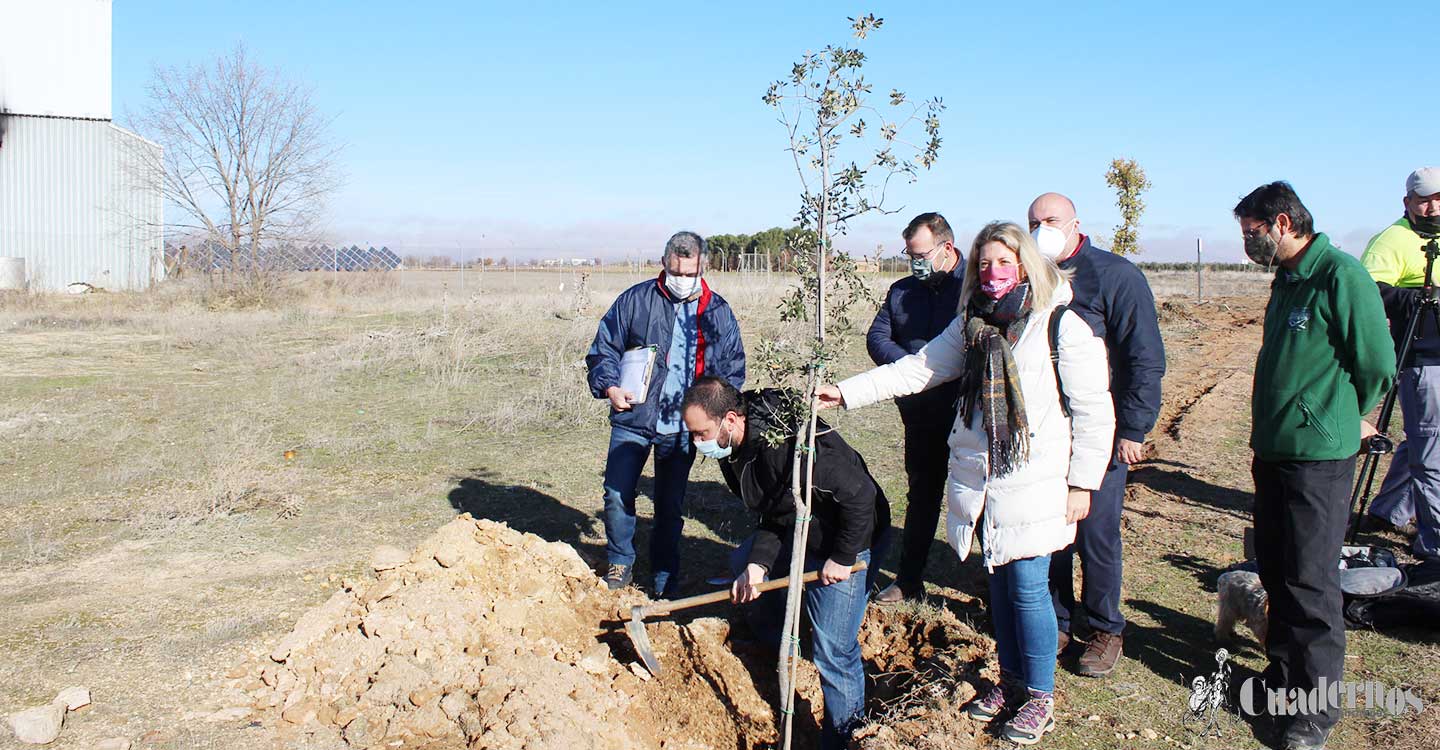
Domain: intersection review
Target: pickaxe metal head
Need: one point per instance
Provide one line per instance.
(635, 628)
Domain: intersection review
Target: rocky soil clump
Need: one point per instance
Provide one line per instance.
(485, 637)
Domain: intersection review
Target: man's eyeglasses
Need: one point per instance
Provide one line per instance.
(927, 255)
(1256, 232)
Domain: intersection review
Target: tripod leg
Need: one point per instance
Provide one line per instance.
(1364, 481)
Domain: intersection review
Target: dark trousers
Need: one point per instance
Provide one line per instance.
(1097, 541)
(927, 463)
(1301, 509)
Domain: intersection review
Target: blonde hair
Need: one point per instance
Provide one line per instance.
(1041, 272)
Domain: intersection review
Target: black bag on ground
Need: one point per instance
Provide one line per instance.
(1380, 593)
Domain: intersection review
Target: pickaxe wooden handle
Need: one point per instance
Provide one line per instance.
(635, 626)
(665, 607)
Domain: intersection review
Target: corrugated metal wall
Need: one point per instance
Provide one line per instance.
(79, 203)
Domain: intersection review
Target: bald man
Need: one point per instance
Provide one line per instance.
(1111, 294)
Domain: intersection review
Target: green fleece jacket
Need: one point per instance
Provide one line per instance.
(1325, 360)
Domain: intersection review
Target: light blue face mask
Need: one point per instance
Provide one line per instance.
(712, 449)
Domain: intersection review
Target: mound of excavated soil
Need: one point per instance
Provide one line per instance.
(484, 637)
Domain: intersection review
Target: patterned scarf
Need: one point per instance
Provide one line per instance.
(991, 379)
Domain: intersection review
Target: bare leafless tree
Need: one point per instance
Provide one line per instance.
(248, 160)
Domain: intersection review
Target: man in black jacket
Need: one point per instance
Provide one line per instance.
(753, 439)
(1112, 295)
(916, 309)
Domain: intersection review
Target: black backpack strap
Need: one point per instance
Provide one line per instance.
(1055, 317)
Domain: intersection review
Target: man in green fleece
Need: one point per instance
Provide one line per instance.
(1324, 361)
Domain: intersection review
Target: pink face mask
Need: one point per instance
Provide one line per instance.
(997, 281)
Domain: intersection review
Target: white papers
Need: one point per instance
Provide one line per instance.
(636, 368)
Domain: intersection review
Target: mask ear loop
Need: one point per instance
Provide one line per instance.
(1275, 258)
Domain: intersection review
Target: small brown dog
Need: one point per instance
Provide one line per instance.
(1241, 598)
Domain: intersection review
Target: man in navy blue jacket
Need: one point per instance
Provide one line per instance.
(916, 309)
(694, 333)
(1111, 294)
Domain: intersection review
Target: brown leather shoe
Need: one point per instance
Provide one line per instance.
(1101, 655)
(1064, 644)
(893, 594)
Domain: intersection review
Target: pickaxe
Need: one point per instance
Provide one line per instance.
(635, 626)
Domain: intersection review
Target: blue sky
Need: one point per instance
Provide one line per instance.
(586, 129)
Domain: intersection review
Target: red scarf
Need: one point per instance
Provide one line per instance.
(699, 330)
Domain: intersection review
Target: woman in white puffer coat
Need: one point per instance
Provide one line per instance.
(1021, 468)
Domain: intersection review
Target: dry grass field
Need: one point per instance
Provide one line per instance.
(184, 473)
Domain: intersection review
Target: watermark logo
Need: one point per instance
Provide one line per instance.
(1370, 697)
(1209, 697)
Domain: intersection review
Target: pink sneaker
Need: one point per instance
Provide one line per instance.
(985, 708)
(1033, 720)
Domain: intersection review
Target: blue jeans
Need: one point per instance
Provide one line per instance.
(1024, 621)
(623, 463)
(836, 612)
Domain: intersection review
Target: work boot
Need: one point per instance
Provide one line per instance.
(619, 576)
(1305, 735)
(1033, 720)
(895, 593)
(1101, 655)
(1064, 643)
(1376, 523)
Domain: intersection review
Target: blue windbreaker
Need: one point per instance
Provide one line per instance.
(644, 315)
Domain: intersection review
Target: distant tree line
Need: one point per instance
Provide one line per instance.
(1182, 266)
(777, 245)
(446, 261)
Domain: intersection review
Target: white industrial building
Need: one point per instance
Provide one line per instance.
(79, 200)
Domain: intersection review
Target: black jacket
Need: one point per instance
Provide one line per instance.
(914, 312)
(1400, 304)
(1394, 257)
(1112, 295)
(849, 508)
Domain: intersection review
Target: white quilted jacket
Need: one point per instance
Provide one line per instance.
(1026, 509)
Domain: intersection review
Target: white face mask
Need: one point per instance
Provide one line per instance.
(1050, 241)
(683, 287)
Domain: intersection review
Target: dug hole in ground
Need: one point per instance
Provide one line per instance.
(485, 637)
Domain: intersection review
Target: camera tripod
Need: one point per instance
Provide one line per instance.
(1380, 444)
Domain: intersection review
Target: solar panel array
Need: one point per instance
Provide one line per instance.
(286, 258)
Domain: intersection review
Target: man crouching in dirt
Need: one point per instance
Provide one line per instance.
(1325, 359)
(850, 519)
(692, 332)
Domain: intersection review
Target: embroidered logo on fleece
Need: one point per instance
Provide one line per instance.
(1300, 319)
